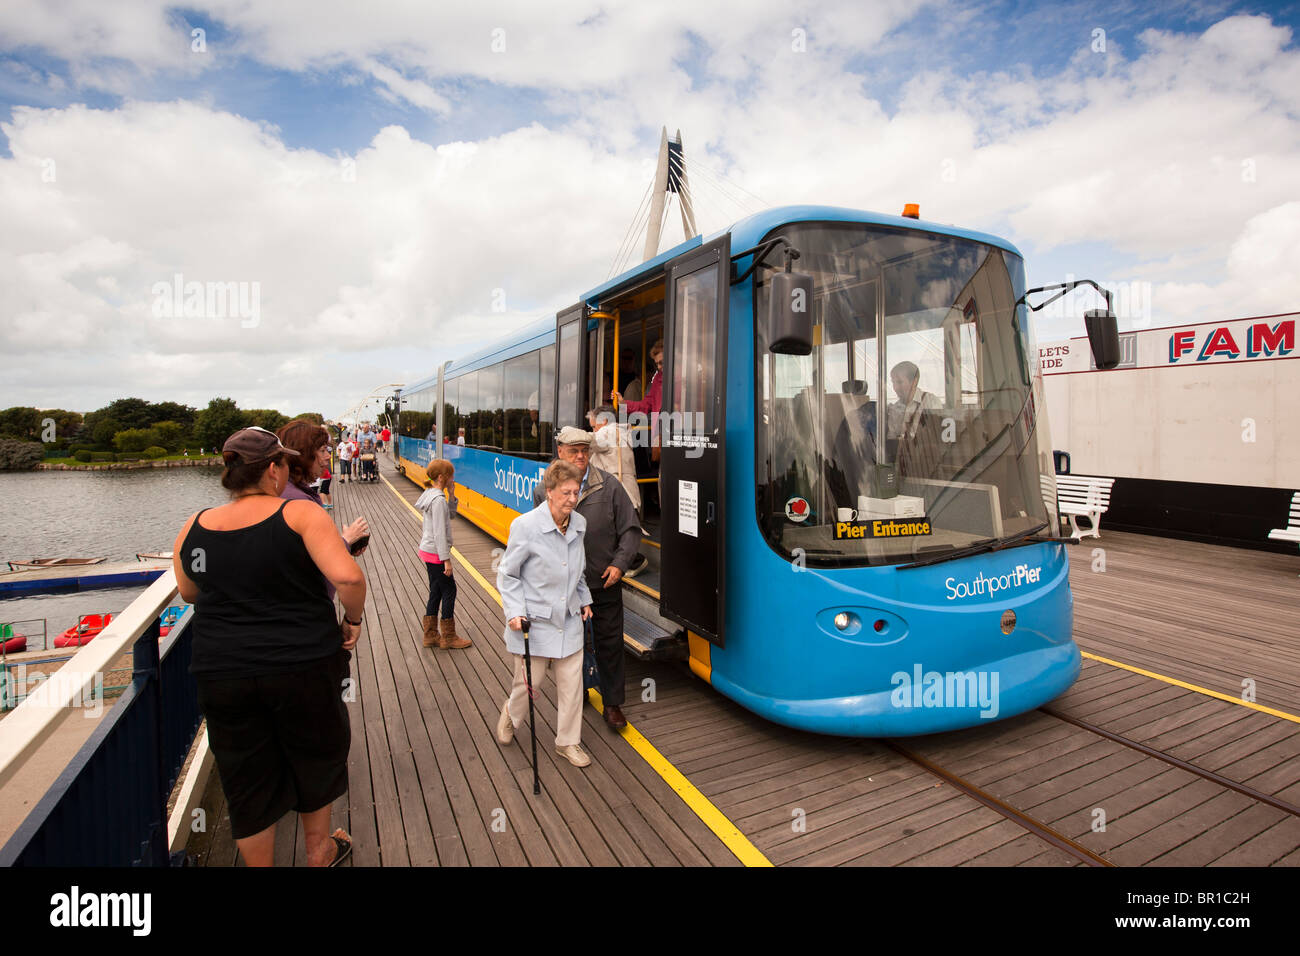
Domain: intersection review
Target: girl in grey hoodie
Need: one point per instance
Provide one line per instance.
(438, 504)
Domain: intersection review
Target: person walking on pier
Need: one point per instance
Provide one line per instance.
(347, 450)
(613, 534)
(269, 654)
(310, 442)
(438, 504)
(540, 577)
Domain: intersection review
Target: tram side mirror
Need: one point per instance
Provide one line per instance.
(789, 314)
(1103, 337)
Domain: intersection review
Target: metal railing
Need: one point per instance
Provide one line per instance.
(108, 807)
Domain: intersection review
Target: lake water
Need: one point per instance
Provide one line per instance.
(90, 514)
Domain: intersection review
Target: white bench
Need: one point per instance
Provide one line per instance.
(1292, 531)
(1080, 496)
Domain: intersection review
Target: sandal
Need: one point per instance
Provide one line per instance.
(342, 846)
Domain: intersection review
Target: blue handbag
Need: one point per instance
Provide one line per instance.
(590, 672)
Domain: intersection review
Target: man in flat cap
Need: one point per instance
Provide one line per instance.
(613, 534)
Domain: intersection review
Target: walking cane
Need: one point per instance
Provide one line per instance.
(532, 721)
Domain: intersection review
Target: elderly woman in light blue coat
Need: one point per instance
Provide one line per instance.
(541, 578)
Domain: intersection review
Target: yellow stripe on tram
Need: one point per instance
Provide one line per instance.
(1200, 690)
(700, 805)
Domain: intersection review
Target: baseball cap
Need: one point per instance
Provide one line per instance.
(255, 444)
(573, 436)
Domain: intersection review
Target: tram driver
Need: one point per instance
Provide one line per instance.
(905, 413)
(913, 429)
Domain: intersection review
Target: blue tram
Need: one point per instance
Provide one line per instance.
(849, 488)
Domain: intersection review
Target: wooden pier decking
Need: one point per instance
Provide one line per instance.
(430, 785)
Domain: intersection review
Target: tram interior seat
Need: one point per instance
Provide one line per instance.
(843, 406)
(850, 445)
(795, 445)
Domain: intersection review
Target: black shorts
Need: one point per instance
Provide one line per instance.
(325, 485)
(280, 741)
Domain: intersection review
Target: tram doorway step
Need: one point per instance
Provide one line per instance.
(649, 642)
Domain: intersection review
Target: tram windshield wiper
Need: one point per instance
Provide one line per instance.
(987, 544)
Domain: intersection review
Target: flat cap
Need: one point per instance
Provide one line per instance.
(569, 435)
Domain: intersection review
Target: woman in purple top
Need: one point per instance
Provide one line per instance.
(312, 443)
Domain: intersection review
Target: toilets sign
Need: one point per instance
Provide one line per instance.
(1206, 343)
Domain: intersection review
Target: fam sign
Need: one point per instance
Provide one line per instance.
(1241, 340)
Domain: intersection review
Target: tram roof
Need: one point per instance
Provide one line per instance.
(749, 232)
(745, 234)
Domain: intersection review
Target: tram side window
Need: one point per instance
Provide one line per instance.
(491, 430)
(467, 417)
(568, 376)
(417, 412)
(451, 399)
(521, 404)
(696, 307)
(593, 394)
(407, 421)
(546, 402)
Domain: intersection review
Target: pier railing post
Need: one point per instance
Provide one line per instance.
(146, 676)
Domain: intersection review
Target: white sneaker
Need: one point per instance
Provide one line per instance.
(574, 754)
(505, 726)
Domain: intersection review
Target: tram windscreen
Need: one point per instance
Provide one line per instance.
(917, 425)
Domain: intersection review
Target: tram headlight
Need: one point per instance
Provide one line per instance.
(842, 621)
(1008, 621)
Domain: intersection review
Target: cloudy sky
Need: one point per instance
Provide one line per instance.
(391, 184)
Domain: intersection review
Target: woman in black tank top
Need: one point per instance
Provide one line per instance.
(270, 653)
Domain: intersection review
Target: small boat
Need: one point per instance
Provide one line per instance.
(170, 618)
(38, 563)
(87, 626)
(153, 555)
(11, 641)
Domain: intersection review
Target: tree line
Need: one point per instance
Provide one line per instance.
(126, 428)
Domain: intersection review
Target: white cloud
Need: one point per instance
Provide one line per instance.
(406, 254)
(1261, 275)
(413, 91)
(1178, 156)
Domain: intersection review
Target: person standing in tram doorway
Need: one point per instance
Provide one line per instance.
(611, 540)
(650, 405)
(611, 452)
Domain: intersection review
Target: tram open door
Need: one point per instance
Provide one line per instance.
(692, 429)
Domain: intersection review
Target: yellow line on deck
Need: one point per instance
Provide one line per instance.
(700, 805)
(1200, 690)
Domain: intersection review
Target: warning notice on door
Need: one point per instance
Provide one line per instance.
(688, 508)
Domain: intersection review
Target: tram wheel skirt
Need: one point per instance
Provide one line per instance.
(926, 702)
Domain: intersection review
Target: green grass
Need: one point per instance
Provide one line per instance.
(176, 457)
